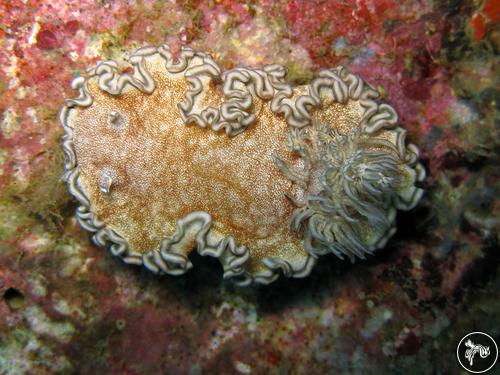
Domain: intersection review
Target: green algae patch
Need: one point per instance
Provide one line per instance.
(297, 73)
(13, 220)
(45, 197)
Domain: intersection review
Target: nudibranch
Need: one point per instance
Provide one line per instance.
(168, 155)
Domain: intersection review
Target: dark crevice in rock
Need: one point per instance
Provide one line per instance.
(14, 298)
(481, 271)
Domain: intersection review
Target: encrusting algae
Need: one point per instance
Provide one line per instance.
(239, 165)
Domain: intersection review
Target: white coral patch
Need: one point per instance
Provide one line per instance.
(40, 323)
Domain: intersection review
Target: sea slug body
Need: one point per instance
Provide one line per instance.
(178, 156)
